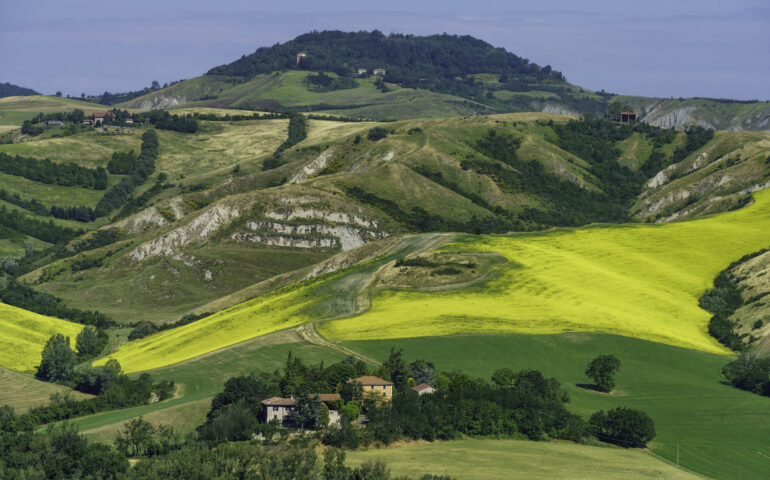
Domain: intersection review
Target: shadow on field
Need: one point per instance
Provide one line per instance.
(592, 387)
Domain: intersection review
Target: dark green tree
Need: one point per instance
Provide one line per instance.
(88, 343)
(58, 362)
(135, 437)
(397, 369)
(623, 426)
(602, 371)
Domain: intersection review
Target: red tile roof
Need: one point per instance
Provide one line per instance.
(278, 401)
(329, 397)
(99, 114)
(370, 380)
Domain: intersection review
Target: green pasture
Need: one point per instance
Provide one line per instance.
(719, 428)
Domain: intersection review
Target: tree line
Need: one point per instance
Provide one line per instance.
(22, 296)
(297, 133)
(143, 166)
(40, 229)
(54, 173)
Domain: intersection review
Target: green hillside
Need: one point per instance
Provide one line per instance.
(14, 110)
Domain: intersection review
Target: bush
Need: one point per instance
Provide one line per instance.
(623, 426)
(377, 133)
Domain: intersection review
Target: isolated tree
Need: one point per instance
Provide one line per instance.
(155, 85)
(58, 94)
(83, 95)
(58, 362)
(623, 426)
(87, 342)
(602, 371)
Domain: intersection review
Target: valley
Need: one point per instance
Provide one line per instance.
(275, 229)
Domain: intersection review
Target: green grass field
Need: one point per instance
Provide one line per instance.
(24, 335)
(518, 459)
(640, 281)
(203, 377)
(22, 391)
(719, 428)
(14, 110)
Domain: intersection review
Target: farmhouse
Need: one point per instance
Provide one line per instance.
(627, 117)
(87, 121)
(379, 72)
(277, 408)
(52, 123)
(362, 71)
(99, 117)
(375, 386)
(129, 120)
(423, 388)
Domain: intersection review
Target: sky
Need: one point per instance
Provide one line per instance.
(672, 48)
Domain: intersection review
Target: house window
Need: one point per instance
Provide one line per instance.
(275, 409)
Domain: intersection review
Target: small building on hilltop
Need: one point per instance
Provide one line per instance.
(300, 56)
(379, 72)
(362, 71)
(626, 117)
(374, 386)
(423, 388)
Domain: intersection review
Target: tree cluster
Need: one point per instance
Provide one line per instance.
(749, 373)
(143, 166)
(80, 213)
(22, 296)
(32, 205)
(54, 173)
(297, 133)
(406, 58)
(40, 229)
(321, 82)
(163, 120)
(8, 89)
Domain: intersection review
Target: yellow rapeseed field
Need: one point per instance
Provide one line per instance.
(260, 316)
(640, 281)
(23, 335)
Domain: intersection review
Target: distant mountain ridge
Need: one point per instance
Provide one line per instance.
(11, 90)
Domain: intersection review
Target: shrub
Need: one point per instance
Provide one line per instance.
(377, 133)
(602, 371)
(623, 426)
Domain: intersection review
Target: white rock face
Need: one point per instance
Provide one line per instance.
(557, 109)
(312, 168)
(160, 101)
(315, 214)
(388, 156)
(282, 241)
(348, 237)
(138, 222)
(196, 231)
(660, 178)
(674, 118)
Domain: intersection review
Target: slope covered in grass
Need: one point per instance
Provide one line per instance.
(518, 459)
(719, 428)
(23, 336)
(21, 391)
(635, 280)
(14, 110)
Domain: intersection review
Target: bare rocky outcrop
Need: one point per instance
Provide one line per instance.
(149, 218)
(347, 237)
(312, 168)
(671, 119)
(159, 101)
(316, 214)
(285, 241)
(195, 232)
(557, 109)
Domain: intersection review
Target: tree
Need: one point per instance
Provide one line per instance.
(58, 94)
(233, 423)
(87, 342)
(623, 426)
(155, 85)
(602, 370)
(397, 369)
(58, 362)
(308, 412)
(503, 377)
(135, 437)
(377, 133)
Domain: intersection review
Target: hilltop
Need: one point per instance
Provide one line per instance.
(11, 90)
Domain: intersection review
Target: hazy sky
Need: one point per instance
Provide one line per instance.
(662, 48)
